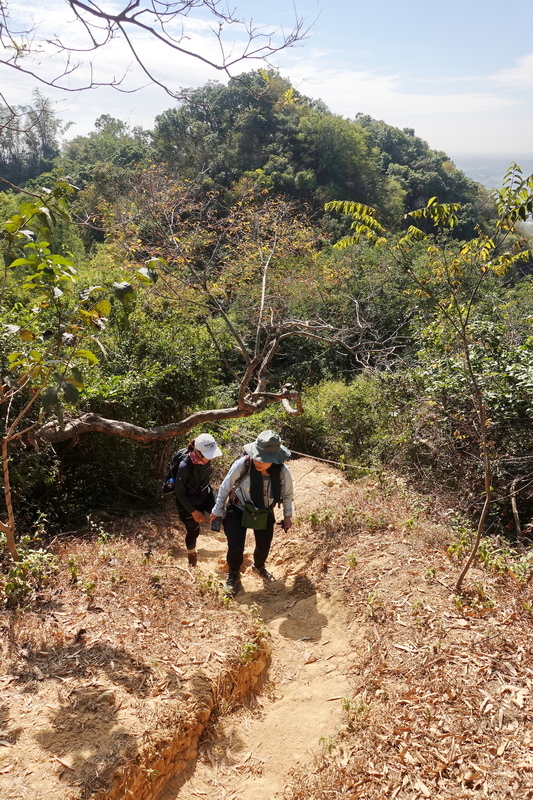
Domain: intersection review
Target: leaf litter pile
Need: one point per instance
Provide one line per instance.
(441, 703)
(124, 646)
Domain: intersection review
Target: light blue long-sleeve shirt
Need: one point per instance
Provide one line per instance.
(243, 490)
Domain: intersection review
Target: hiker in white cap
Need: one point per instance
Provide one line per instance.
(255, 483)
(194, 494)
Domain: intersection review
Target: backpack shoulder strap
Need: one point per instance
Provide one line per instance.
(244, 471)
(179, 456)
(233, 490)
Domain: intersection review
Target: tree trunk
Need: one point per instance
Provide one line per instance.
(10, 528)
(488, 479)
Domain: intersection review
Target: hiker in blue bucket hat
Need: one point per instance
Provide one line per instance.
(255, 483)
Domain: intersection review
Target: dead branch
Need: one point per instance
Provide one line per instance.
(514, 506)
(139, 24)
(53, 432)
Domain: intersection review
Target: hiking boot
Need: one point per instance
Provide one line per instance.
(263, 573)
(233, 582)
(192, 558)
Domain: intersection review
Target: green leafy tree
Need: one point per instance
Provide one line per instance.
(105, 156)
(421, 173)
(260, 126)
(55, 336)
(451, 279)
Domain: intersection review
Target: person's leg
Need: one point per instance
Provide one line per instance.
(236, 538)
(192, 531)
(263, 540)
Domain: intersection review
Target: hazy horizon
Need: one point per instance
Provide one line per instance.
(489, 170)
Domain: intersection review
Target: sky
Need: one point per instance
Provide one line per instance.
(460, 73)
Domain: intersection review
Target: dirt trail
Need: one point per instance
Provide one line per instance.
(109, 679)
(250, 753)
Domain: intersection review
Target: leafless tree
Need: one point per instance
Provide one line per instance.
(140, 25)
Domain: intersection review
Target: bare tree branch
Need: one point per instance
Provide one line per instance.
(514, 507)
(92, 423)
(265, 264)
(140, 24)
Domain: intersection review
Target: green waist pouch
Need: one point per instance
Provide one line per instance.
(255, 518)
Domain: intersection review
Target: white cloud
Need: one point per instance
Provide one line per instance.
(520, 76)
(348, 92)
(115, 60)
(137, 102)
(468, 113)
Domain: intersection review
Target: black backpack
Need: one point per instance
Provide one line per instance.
(175, 461)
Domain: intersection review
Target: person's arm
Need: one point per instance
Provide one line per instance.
(286, 491)
(225, 487)
(287, 496)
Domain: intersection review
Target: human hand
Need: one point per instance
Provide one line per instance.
(198, 516)
(287, 523)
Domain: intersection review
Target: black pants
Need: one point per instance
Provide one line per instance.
(191, 526)
(236, 536)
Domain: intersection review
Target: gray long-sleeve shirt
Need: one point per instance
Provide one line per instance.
(243, 490)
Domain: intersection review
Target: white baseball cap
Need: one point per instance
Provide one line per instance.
(207, 446)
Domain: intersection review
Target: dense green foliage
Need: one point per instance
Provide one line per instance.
(216, 218)
(259, 125)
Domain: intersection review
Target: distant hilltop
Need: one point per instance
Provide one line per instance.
(490, 170)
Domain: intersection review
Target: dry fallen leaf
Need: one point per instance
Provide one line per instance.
(63, 762)
(423, 788)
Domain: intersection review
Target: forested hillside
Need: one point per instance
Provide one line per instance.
(256, 262)
(204, 271)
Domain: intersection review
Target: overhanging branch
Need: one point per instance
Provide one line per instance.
(52, 432)
(168, 25)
